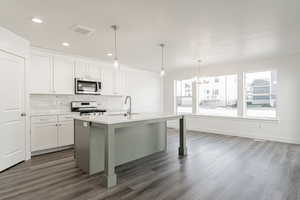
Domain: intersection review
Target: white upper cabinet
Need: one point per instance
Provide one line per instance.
(114, 82)
(80, 69)
(63, 73)
(94, 72)
(54, 74)
(51, 74)
(88, 70)
(41, 74)
(121, 82)
(108, 81)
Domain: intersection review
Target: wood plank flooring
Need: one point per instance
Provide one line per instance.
(217, 168)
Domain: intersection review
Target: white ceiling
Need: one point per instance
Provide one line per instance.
(216, 31)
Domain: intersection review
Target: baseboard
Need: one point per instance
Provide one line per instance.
(36, 153)
(275, 139)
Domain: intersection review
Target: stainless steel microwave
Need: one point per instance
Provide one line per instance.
(86, 86)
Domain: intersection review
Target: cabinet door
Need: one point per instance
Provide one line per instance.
(43, 136)
(108, 81)
(94, 72)
(66, 133)
(121, 84)
(63, 75)
(81, 69)
(40, 73)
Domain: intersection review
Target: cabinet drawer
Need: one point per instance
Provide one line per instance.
(44, 119)
(62, 118)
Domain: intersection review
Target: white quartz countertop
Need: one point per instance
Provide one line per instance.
(117, 119)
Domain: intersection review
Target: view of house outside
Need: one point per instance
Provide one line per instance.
(218, 95)
(261, 99)
(184, 96)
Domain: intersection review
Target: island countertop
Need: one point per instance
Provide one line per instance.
(120, 118)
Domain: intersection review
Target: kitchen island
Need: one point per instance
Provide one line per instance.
(104, 142)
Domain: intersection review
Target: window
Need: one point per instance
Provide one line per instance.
(184, 96)
(218, 95)
(261, 98)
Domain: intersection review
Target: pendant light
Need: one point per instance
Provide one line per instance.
(116, 61)
(162, 70)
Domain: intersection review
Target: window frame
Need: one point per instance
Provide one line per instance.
(276, 117)
(241, 96)
(175, 95)
(216, 77)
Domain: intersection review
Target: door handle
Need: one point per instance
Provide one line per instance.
(23, 114)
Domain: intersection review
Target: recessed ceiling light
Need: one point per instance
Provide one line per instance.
(37, 20)
(65, 44)
(109, 54)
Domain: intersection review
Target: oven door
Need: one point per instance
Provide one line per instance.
(86, 87)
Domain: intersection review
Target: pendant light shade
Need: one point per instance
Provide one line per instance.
(162, 70)
(116, 61)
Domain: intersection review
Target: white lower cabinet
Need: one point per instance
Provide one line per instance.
(43, 136)
(66, 133)
(49, 132)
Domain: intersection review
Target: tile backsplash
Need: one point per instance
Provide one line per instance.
(62, 103)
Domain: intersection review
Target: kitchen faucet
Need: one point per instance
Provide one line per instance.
(129, 109)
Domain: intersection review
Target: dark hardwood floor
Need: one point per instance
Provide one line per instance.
(217, 168)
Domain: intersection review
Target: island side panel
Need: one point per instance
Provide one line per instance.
(97, 149)
(109, 170)
(131, 143)
(82, 136)
(138, 141)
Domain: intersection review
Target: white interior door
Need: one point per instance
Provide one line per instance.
(12, 124)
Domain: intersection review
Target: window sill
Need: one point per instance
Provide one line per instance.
(235, 117)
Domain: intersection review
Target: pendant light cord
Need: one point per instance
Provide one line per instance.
(114, 27)
(116, 51)
(199, 65)
(162, 56)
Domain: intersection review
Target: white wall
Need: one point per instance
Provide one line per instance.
(287, 129)
(12, 43)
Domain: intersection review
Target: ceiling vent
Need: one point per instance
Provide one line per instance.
(83, 30)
